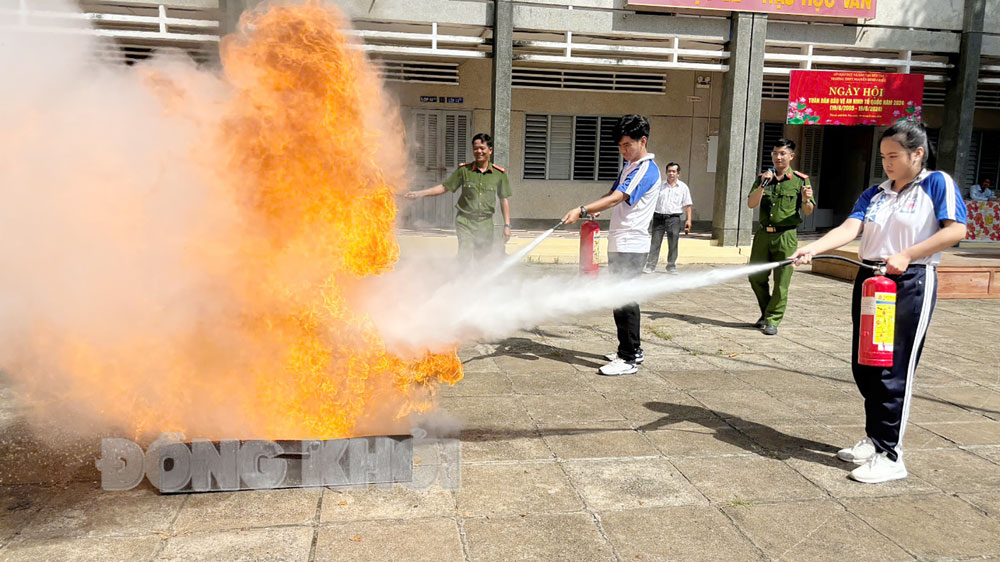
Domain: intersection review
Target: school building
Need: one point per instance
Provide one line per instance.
(548, 79)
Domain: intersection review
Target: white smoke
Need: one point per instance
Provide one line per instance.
(105, 194)
(441, 313)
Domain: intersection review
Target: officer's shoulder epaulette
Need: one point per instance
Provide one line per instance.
(464, 164)
(801, 175)
(501, 168)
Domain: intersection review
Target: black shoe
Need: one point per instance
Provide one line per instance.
(770, 330)
(760, 323)
(639, 357)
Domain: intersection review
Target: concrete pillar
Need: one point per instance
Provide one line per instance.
(503, 58)
(739, 130)
(503, 53)
(960, 98)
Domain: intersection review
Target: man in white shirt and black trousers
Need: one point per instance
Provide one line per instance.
(673, 204)
(632, 197)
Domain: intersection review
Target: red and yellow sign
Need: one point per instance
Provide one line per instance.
(858, 9)
(984, 220)
(823, 97)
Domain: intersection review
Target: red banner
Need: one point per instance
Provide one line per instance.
(823, 97)
(856, 9)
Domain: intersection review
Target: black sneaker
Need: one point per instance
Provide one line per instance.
(760, 323)
(639, 357)
(770, 330)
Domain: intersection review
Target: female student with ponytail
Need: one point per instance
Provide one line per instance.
(904, 222)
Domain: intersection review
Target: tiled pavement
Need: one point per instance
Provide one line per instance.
(720, 448)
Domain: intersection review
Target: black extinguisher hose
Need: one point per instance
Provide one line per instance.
(877, 267)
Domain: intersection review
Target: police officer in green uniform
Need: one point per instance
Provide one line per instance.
(781, 193)
(482, 183)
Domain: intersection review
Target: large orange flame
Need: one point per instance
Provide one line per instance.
(320, 154)
(309, 155)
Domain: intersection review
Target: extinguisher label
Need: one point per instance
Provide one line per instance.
(597, 247)
(868, 306)
(885, 320)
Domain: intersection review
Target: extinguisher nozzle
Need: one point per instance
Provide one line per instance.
(783, 263)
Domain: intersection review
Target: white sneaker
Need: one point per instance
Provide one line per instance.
(618, 367)
(639, 357)
(880, 469)
(860, 453)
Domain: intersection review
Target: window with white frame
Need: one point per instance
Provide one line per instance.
(568, 147)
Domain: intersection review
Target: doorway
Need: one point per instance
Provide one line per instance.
(846, 167)
(440, 141)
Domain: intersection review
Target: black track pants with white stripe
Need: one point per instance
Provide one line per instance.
(887, 391)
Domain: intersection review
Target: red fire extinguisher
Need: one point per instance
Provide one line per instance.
(878, 320)
(590, 235)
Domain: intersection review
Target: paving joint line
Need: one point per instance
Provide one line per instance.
(317, 519)
(592, 512)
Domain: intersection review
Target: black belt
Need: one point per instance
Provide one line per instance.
(917, 265)
(778, 228)
(477, 218)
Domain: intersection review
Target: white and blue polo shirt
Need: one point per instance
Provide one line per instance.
(640, 182)
(894, 221)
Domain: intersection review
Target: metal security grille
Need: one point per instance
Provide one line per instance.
(536, 147)
(934, 94)
(810, 154)
(988, 97)
(564, 147)
(609, 160)
(932, 138)
(419, 71)
(588, 81)
(982, 158)
(775, 90)
(877, 172)
(988, 157)
(769, 134)
(560, 147)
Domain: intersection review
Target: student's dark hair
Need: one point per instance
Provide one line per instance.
(674, 164)
(633, 126)
(784, 143)
(911, 136)
(485, 137)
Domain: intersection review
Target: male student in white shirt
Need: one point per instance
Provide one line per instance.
(632, 199)
(673, 206)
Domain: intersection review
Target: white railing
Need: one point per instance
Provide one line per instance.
(425, 44)
(135, 29)
(566, 52)
(807, 59)
(161, 27)
(629, 56)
